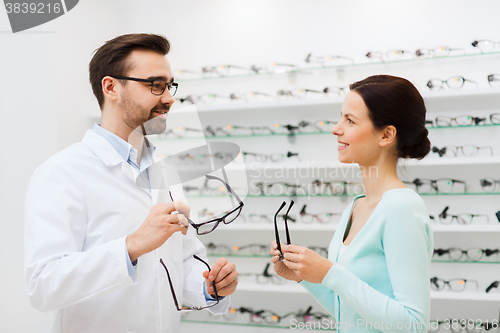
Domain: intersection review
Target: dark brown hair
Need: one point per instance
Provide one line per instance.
(111, 58)
(395, 101)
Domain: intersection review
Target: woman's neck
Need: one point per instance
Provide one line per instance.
(378, 179)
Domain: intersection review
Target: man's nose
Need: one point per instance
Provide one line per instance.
(166, 98)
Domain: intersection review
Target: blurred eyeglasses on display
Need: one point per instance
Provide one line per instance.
(463, 218)
(494, 80)
(489, 184)
(485, 45)
(467, 150)
(437, 52)
(453, 285)
(454, 82)
(442, 185)
(329, 60)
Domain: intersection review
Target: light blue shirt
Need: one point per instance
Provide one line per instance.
(129, 154)
(381, 282)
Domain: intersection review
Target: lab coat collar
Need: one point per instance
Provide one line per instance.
(102, 148)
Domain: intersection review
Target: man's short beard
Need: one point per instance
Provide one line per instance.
(156, 125)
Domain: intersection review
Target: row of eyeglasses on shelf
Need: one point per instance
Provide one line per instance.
(320, 187)
(463, 218)
(267, 317)
(454, 82)
(327, 217)
(304, 216)
(459, 285)
(472, 254)
(252, 249)
(309, 126)
(332, 60)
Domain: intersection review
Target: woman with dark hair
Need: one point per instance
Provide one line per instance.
(376, 277)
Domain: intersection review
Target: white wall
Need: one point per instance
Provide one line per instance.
(45, 98)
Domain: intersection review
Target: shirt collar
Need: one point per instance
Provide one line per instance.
(124, 149)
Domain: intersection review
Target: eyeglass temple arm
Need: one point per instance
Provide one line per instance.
(227, 187)
(278, 244)
(286, 224)
(208, 267)
(171, 286)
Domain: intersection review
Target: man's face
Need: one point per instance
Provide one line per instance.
(137, 105)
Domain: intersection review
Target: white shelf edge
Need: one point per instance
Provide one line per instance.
(435, 295)
(463, 296)
(248, 226)
(466, 228)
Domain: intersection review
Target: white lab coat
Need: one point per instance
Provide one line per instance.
(80, 206)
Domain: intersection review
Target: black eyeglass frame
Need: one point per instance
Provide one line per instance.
(288, 241)
(151, 81)
(184, 308)
(217, 220)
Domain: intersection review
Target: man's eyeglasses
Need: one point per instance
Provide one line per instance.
(288, 241)
(157, 86)
(184, 308)
(207, 227)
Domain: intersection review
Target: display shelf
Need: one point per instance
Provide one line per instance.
(256, 326)
(270, 227)
(452, 99)
(269, 256)
(432, 161)
(467, 228)
(230, 137)
(290, 287)
(340, 66)
(340, 195)
(333, 227)
(464, 296)
(467, 262)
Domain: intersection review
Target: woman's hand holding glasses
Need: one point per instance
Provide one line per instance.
(279, 267)
(303, 263)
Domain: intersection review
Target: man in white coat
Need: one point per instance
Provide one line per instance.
(94, 237)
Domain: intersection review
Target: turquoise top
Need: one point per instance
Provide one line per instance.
(381, 283)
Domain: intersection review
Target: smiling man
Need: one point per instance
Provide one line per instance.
(104, 254)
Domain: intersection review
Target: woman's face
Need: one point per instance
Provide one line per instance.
(358, 139)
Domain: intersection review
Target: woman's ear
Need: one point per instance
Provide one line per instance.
(388, 136)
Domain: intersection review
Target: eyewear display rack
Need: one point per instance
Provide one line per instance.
(318, 159)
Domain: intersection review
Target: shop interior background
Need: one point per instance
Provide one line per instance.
(46, 100)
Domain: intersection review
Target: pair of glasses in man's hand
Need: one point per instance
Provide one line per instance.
(210, 225)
